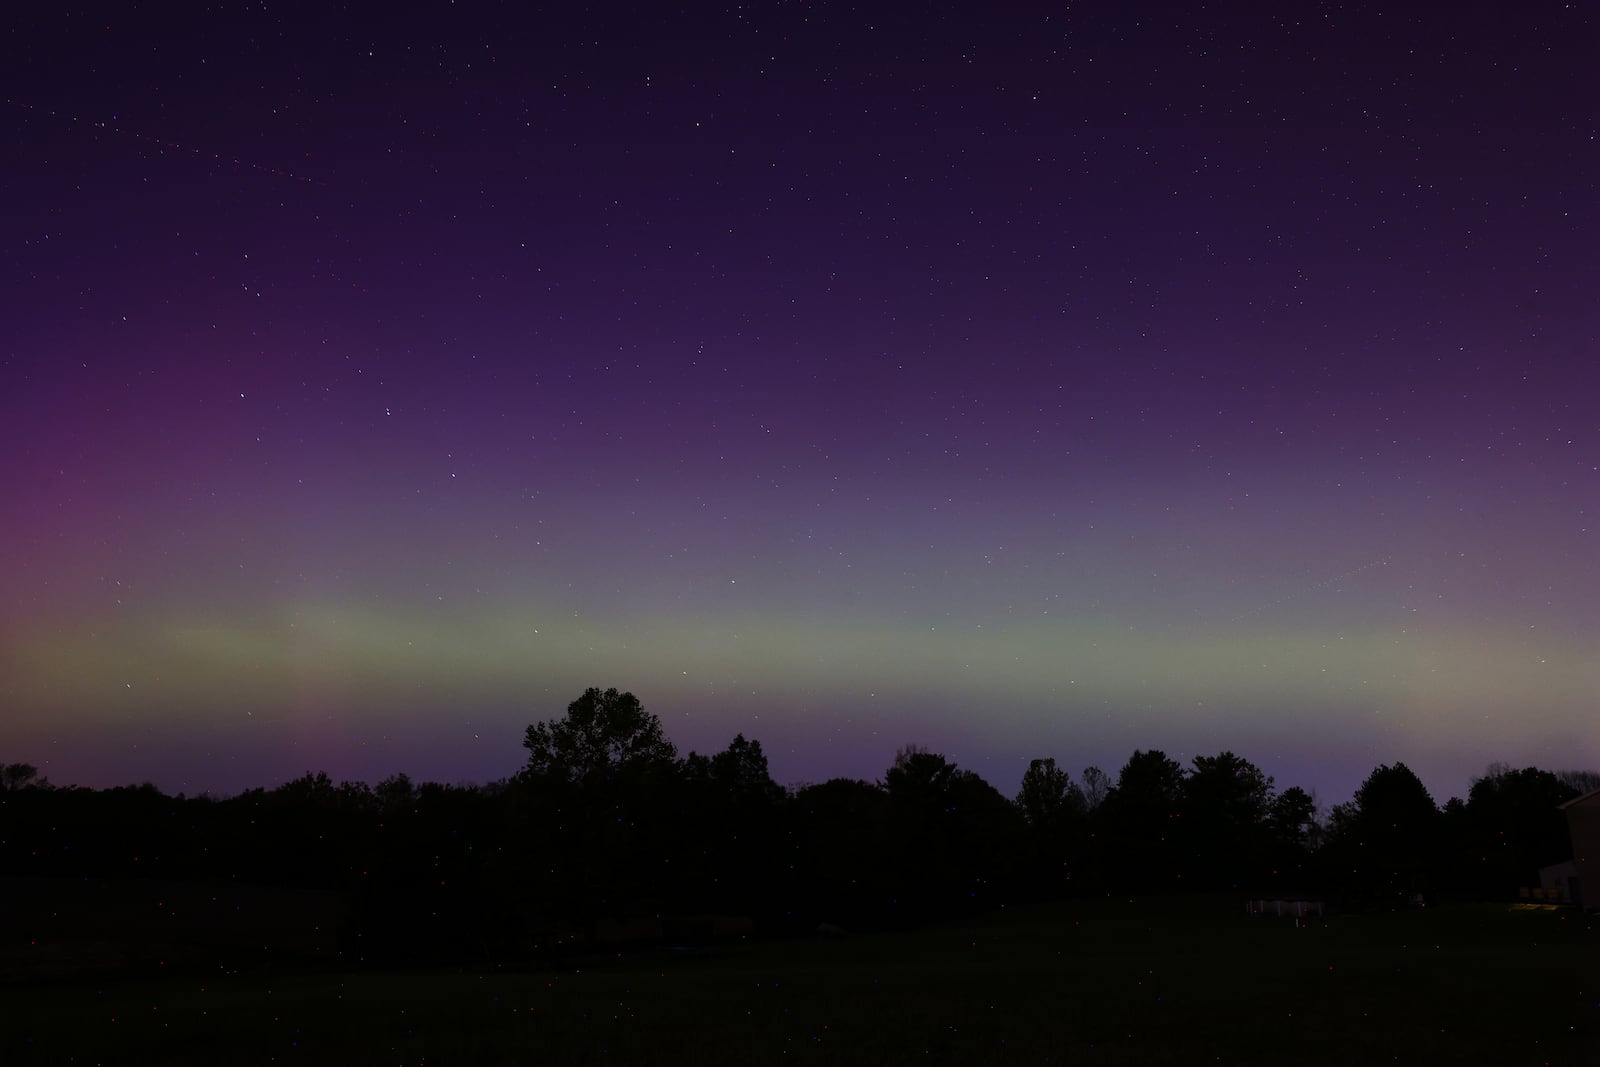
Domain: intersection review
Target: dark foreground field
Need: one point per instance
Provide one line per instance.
(1110, 981)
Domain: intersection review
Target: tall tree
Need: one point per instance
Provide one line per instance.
(726, 828)
(1226, 802)
(1387, 837)
(1141, 819)
(839, 870)
(1096, 784)
(595, 780)
(1293, 819)
(1048, 797)
(954, 833)
(1514, 826)
(1148, 796)
(1054, 809)
(741, 768)
(604, 735)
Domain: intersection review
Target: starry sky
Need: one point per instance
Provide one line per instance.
(1046, 380)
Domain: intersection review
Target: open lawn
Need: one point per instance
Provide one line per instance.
(1098, 982)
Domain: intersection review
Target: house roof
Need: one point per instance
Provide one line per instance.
(1591, 797)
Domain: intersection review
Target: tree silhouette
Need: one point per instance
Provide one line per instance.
(728, 810)
(1580, 781)
(1387, 835)
(604, 734)
(1048, 797)
(953, 834)
(605, 823)
(395, 794)
(838, 870)
(1055, 812)
(741, 769)
(1226, 803)
(1513, 826)
(1096, 784)
(1141, 815)
(22, 776)
(1148, 795)
(1293, 819)
(919, 776)
(597, 778)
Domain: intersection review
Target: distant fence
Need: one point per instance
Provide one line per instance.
(1293, 909)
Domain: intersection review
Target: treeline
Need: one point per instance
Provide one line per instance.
(608, 834)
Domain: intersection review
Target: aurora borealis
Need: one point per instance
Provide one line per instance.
(1017, 382)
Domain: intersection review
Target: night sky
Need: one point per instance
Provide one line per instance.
(1019, 382)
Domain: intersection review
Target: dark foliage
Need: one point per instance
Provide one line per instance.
(1510, 825)
(607, 836)
(1139, 823)
(1385, 842)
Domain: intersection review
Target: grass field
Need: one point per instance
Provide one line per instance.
(1101, 982)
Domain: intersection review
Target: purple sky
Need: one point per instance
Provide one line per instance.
(1017, 382)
